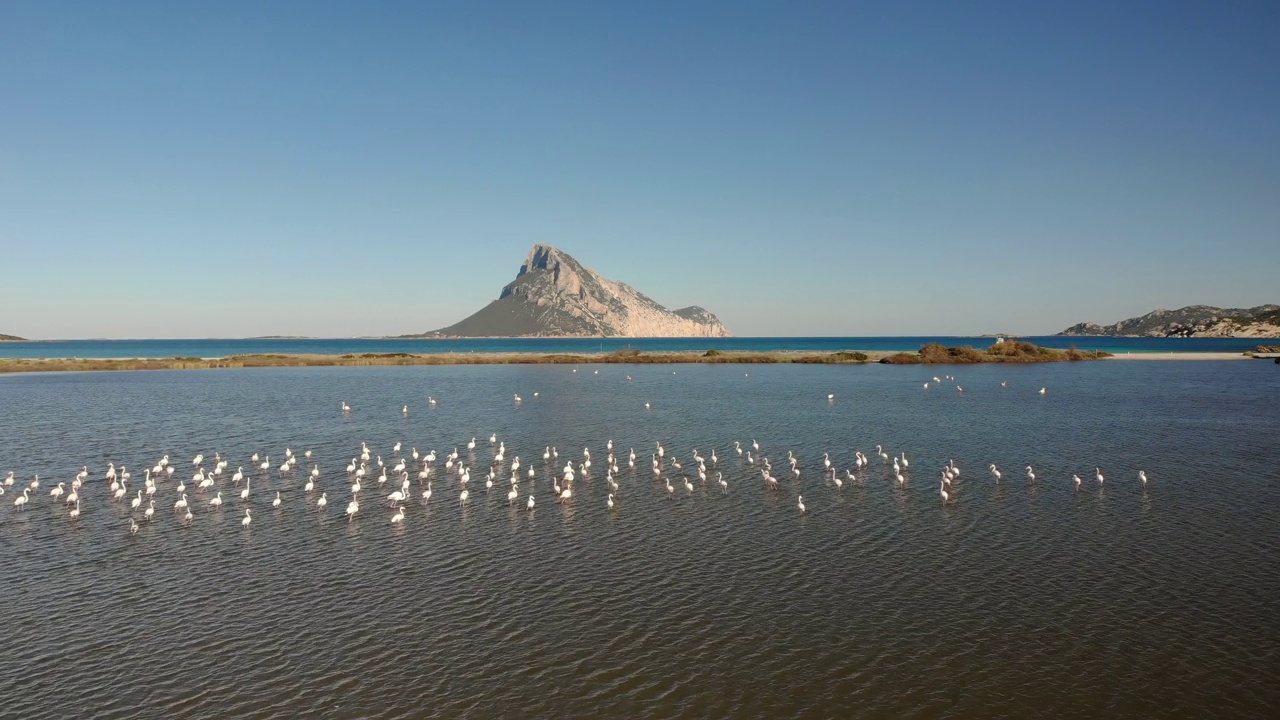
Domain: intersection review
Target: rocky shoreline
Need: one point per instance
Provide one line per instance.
(1193, 321)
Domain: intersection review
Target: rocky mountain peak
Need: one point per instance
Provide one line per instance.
(540, 257)
(555, 295)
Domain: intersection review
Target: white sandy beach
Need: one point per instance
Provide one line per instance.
(1180, 356)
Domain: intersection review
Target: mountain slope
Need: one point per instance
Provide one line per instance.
(12, 338)
(555, 295)
(1192, 321)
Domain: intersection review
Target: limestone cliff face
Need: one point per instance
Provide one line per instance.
(1192, 321)
(555, 295)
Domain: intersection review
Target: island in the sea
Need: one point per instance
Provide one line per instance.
(1203, 321)
(12, 338)
(554, 295)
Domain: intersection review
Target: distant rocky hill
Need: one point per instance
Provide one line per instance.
(555, 295)
(12, 338)
(1192, 321)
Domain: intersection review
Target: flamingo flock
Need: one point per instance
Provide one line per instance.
(393, 478)
(399, 481)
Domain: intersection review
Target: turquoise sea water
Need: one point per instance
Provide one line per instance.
(339, 346)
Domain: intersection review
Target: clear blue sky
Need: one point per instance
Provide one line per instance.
(173, 169)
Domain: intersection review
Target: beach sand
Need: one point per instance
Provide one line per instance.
(1180, 356)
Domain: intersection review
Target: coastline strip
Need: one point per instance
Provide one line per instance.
(1180, 356)
(21, 365)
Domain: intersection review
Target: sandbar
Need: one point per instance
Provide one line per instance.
(1179, 356)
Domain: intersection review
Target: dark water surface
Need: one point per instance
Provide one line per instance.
(1014, 600)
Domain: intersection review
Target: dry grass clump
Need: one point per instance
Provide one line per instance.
(935, 353)
(1012, 351)
(844, 357)
(902, 358)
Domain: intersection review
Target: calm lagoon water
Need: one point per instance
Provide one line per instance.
(339, 346)
(1016, 599)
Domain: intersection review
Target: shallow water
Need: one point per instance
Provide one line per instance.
(1012, 600)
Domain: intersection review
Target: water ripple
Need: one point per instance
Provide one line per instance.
(880, 601)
